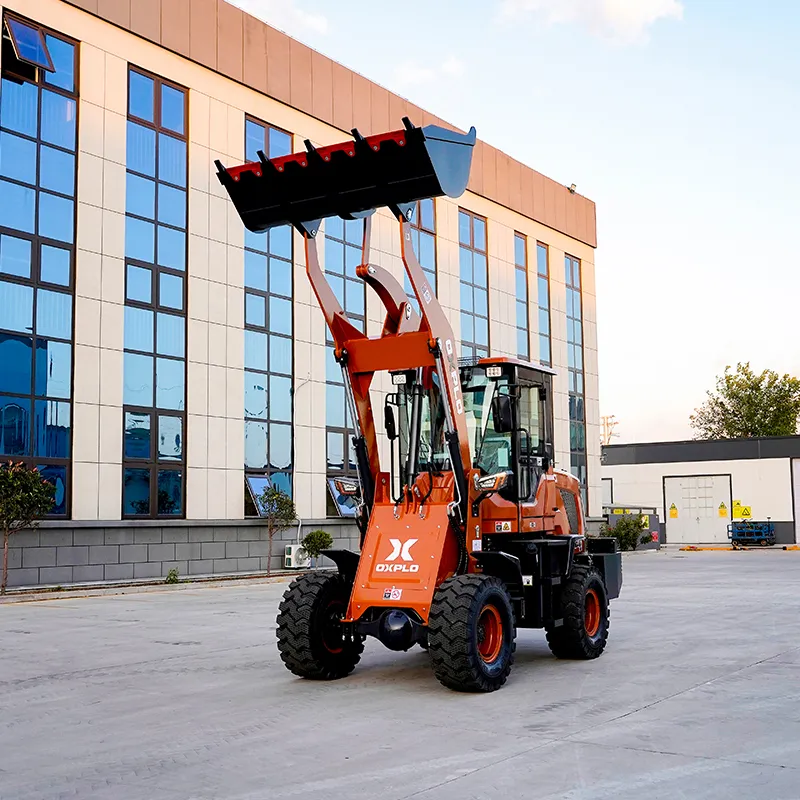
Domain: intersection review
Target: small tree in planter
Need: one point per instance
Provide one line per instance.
(315, 542)
(629, 532)
(278, 511)
(24, 497)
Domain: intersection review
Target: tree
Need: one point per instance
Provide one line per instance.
(315, 542)
(745, 404)
(25, 496)
(278, 510)
(629, 531)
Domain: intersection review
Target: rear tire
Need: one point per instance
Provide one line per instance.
(471, 633)
(584, 603)
(310, 638)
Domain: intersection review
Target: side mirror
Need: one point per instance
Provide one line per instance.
(502, 414)
(389, 422)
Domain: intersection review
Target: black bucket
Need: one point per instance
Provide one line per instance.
(351, 179)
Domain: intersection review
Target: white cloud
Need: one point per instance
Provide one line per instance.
(414, 75)
(622, 20)
(285, 15)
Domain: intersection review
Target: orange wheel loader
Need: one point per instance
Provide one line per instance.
(468, 532)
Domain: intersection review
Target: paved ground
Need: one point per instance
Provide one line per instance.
(180, 694)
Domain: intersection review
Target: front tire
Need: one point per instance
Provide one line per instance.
(311, 641)
(584, 602)
(471, 633)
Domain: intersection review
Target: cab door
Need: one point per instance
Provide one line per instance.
(531, 450)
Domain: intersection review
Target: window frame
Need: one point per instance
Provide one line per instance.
(549, 309)
(419, 229)
(268, 471)
(40, 29)
(37, 242)
(152, 464)
(524, 269)
(577, 454)
(471, 246)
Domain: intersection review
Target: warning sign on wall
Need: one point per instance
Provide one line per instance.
(673, 511)
(723, 510)
(740, 511)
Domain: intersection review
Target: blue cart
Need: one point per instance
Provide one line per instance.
(750, 534)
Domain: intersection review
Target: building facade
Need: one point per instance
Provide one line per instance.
(161, 364)
(698, 488)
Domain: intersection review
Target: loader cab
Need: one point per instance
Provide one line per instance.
(508, 408)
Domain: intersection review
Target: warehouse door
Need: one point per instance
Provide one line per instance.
(698, 509)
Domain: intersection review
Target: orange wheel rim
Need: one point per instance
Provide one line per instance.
(490, 633)
(591, 617)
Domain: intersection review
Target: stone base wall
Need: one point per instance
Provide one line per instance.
(62, 553)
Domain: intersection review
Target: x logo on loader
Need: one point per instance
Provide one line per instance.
(401, 549)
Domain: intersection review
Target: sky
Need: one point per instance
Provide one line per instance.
(679, 118)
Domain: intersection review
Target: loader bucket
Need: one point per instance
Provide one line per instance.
(351, 179)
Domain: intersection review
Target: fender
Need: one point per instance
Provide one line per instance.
(346, 562)
(501, 565)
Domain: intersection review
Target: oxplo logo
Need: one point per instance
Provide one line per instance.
(401, 550)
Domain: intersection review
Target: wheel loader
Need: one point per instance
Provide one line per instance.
(468, 532)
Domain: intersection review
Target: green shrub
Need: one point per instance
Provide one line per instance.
(629, 532)
(172, 576)
(315, 542)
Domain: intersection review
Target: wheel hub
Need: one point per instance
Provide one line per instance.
(591, 617)
(490, 633)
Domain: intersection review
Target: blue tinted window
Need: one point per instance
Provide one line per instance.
(280, 354)
(63, 55)
(481, 302)
(54, 266)
(354, 295)
(19, 106)
(280, 446)
(479, 267)
(141, 145)
(53, 314)
(255, 310)
(15, 426)
(255, 241)
(334, 227)
(280, 143)
(139, 239)
(140, 283)
(171, 206)
(519, 251)
(427, 251)
(171, 160)
(334, 401)
(171, 248)
(172, 109)
(170, 438)
(170, 501)
(58, 120)
(280, 277)
(522, 315)
(282, 481)
(29, 44)
(15, 256)
(255, 445)
(138, 329)
(17, 204)
(56, 217)
(51, 426)
(16, 307)
(17, 158)
(255, 271)
(17, 360)
(280, 398)
(280, 316)
(520, 284)
(280, 242)
(170, 378)
(255, 350)
(334, 255)
(254, 136)
(57, 476)
(53, 369)
(170, 291)
(136, 492)
(170, 335)
(255, 395)
(544, 292)
(138, 382)
(140, 196)
(352, 258)
(57, 171)
(544, 321)
(141, 96)
(137, 435)
(479, 233)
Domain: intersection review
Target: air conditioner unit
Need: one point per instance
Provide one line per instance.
(295, 557)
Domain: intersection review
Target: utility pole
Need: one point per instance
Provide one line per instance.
(609, 423)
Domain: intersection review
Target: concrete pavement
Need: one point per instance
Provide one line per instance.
(181, 694)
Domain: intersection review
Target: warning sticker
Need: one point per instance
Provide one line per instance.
(723, 510)
(673, 511)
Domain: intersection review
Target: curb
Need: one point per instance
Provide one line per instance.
(76, 590)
